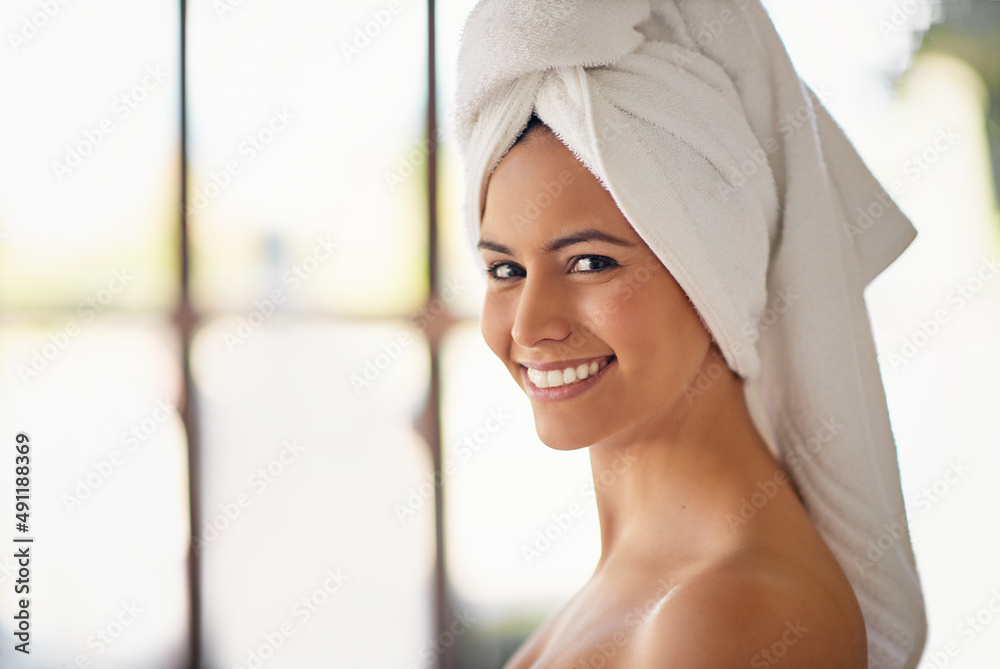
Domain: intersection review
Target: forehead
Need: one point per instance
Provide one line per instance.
(540, 189)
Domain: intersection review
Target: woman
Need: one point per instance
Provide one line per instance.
(649, 185)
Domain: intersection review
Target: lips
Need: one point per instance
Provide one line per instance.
(564, 379)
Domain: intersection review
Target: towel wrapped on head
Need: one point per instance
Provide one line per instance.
(732, 171)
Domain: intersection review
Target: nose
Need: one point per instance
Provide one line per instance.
(542, 314)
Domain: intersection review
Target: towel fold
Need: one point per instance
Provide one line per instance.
(730, 168)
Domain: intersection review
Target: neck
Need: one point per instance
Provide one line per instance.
(664, 487)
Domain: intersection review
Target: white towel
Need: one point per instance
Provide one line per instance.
(729, 167)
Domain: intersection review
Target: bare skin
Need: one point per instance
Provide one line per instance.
(683, 580)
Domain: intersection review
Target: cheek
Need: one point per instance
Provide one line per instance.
(495, 326)
(654, 328)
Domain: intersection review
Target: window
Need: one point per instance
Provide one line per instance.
(238, 324)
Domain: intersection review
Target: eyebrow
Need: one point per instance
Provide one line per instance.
(588, 235)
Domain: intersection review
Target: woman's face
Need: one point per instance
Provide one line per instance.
(573, 290)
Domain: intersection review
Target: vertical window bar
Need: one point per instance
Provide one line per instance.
(185, 320)
(430, 421)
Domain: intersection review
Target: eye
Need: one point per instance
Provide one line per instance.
(504, 271)
(585, 264)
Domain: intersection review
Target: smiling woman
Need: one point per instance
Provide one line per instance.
(580, 291)
(654, 289)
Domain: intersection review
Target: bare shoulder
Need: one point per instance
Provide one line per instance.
(745, 612)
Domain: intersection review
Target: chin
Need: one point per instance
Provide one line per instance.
(563, 434)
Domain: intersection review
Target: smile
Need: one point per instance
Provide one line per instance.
(566, 380)
(554, 378)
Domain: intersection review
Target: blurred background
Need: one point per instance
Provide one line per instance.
(243, 338)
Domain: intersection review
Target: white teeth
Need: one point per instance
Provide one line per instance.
(555, 377)
(540, 379)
